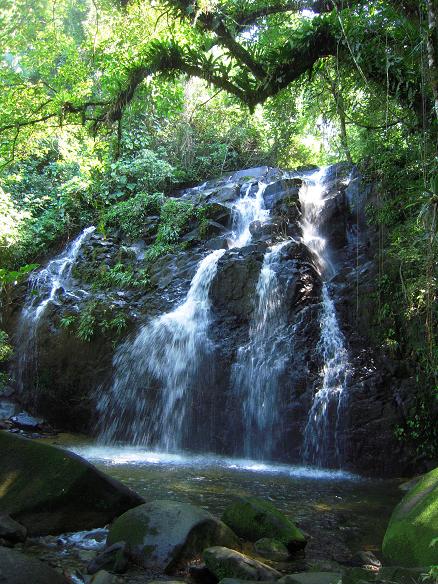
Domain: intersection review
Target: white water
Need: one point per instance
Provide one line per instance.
(154, 377)
(260, 363)
(321, 435)
(44, 287)
(246, 210)
(135, 456)
(165, 354)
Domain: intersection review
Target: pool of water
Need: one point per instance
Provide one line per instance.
(341, 512)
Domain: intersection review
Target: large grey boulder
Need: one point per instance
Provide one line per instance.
(226, 563)
(50, 490)
(16, 568)
(165, 534)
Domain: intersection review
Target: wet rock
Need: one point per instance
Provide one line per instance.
(103, 577)
(50, 490)
(164, 534)
(16, 568)
(26, 421)
(366, 559)
(115, 558)
(413, 525)
(227, 563)
(202, 575)
(11, 530)
(312, 578)
(252, 519)
(271, 549)
(282, 191)
(234, 285)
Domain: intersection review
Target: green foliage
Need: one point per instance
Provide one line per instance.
(131, 216)
(96, 317)
(5, 348)
(121, 276)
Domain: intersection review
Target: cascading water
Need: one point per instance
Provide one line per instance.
(261, 362)
(166, 354)
(321, 436)
(44, 287)
(246, 210)
(155, 373)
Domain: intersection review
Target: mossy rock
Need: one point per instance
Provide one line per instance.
(413, 526)
(166, 534)
(226, 563)
(50, 490)
(253, 519)
(17, 568)
(312, 578)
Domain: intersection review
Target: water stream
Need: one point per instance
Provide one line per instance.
(260, 363)
(322, 444)
(155, 373)
(45, 286)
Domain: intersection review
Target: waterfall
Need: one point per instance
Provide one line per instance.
(260, 363)
(165, 355)
(321, 435)
(155, 373)
(246, 210)
(44, 287)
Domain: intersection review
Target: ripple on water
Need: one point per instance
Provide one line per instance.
(139, 457)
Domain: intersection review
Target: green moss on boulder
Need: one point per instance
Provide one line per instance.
(164, 534)
(253, 519)
(50, 490)
(413, 526)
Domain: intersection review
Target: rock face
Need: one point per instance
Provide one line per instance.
(253, 519)
(11, 530)
(164, 534)
(226, 563)
(62, 387)
(51, 491)
(413, 526)
(16, 568)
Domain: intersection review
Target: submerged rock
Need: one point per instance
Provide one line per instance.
(413, 526)
(16, 568)
(226, 563)
(252, 519)
(50, 490)
(165, 534)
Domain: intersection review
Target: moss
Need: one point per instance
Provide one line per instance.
(413, 526)
(50, 490)
(254, 519)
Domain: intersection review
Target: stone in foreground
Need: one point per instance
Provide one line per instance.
(413, 526)
(312, 578)
(165, 534)
(272, 549)
(51, 491)
(16, 568)
(11, 530)
(226, 563)
(253, 519)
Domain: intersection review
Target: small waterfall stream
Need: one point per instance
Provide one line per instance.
(167, 352)
(261, 361)
(164, 361)
(44, 287)
(321, 435)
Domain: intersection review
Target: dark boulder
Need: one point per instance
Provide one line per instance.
(50, 490)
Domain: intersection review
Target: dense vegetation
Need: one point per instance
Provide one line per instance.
(108, 106)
